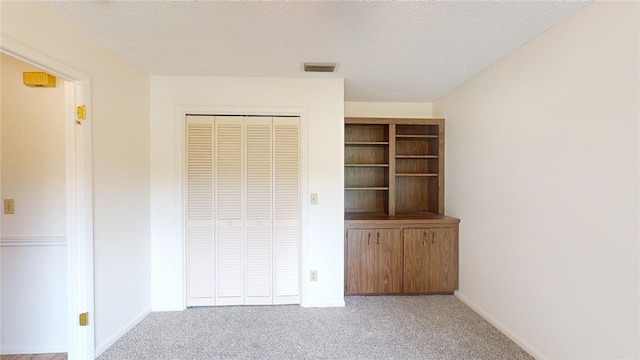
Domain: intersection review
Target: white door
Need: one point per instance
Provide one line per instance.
(229, 180)
(258, 210)
(199, 214)
(286, 261)
(243, 210)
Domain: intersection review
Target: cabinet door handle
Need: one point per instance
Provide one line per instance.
(424, 238)
(369, 239)
(434, 238)
(378, 239)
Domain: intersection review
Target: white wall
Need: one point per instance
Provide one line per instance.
(388, 109)
(543, 171)
(321, 104)
(120, 115)
(33, 270)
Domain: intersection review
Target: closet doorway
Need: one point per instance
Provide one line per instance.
(242, 202)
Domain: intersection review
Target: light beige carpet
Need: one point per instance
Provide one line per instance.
(372, 327)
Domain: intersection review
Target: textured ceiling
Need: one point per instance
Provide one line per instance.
(387, 51)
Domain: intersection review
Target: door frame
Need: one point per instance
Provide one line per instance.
(78, 139)
(180, 141)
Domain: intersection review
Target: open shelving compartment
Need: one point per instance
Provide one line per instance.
(418, 157)
(366, 172)
(394, 166)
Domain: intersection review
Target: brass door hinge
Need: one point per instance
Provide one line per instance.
(84, 319)
(81, 113)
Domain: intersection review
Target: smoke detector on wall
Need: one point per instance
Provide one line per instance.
(319, 67)
(38, 79)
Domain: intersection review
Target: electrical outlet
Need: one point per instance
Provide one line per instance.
(314, 275)
(314, 199)
(9, 206)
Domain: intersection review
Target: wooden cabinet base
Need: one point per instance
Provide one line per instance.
(402, 254)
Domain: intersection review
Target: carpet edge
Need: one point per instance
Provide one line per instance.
(501, 327)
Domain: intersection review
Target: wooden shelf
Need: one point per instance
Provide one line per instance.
(366, 165)
(367, 143)
(418, 175)
(367, 188)
(416, 137)
(355, 218)
(417, 156)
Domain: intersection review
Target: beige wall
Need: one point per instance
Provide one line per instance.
(543, 170)
(33, 154)
(320, 102)
(33, 286)
(120, 115)
(388, 109)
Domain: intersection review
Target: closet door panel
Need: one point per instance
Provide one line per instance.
(258, 169)
(287, 265)
(286, 145)
(200, 266)
(287, 170)
(199, 211)
(229, 172)
(258, 165)
(229, 183)
(259, 257)
(230, 290)
(199, 168)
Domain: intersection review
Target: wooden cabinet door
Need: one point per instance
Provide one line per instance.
(443, 254)
(430, 260)
(374, 261)
(416, 260)
(388, 260)
(360, 262)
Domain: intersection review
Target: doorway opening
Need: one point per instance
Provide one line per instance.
(64, 251)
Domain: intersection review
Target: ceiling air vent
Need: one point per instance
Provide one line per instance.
(320, 67)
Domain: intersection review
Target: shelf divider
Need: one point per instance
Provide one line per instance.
(391, 205)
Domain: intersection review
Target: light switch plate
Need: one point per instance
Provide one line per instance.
(9, 206)
(314, 198)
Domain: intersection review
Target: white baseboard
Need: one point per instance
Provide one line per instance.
(9, 349)
(167, 308)
(328, 304)
(503, 329)
(123, 330)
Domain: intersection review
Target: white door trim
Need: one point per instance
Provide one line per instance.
(81, 343)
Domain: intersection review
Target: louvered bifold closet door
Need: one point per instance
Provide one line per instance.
(243, 210)
(258, 210)
(286, 223)
(199, 214)
(229, 196)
